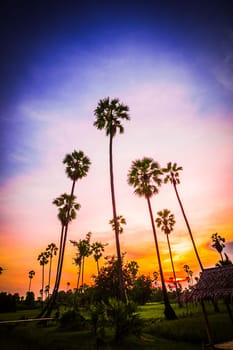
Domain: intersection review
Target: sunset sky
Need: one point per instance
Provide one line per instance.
(171, 62)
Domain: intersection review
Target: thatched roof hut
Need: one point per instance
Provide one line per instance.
(214, 283)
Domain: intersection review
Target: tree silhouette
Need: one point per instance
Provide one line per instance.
(218, 243)
(31, 274)
(189, 275)
(144, 176)
(172, 174)
(83, 251)
(120, 221)
(97, 249)
(43, 260)
(64, 202)
(77, 166)
(52, 251)
(166, 222)
(1, 269)
(109, 114)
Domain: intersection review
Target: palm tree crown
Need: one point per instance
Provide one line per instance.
(172, 173)
(64, 201)
(144, 175)
(165, 221)
(77, 165)
(108, 115)
(120, 221)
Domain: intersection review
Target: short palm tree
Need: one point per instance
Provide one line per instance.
(97, 249)
(31, 274)
(52, 251)
(172, 174)
(109, 114)
(166, 221)
(83, 251)
(218, 243)
(144, 176)
(43, 260)
(120, 221)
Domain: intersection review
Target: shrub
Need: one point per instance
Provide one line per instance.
(72, 320)
(123, 318)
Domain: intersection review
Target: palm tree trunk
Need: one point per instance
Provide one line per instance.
(29, 288)
(221, 255)
(42, 287)
(77, 287)
(187, 224)
(98, 268)
(83, 274)
(122, 295)
(50, 268)
(173, 270)
(169, 312)
(79, 274)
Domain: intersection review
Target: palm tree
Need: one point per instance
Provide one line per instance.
(84, 250)
(166, 222)
(97, 249)
(144, 175)
(52, 251)
(31, 274)
(189, 275)
(218, 243)
(43, 260)
(172, 175)
(120, 221)
(109, 114)
(77, 166)
(63, 202)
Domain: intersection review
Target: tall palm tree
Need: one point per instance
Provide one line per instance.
(144, 176)
(109, 114)
(172, 174)
(63, 202)
(77, 166)
(43, 260)
(97, 249)
(52, 251)
(120, 221)
(31, 274)
(166, 222)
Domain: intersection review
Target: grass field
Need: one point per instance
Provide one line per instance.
(185, 333)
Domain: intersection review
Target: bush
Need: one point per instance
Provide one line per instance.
(123, 318)
(7, 302)
(72, 320)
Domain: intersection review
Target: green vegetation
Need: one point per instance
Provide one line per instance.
(91, 330)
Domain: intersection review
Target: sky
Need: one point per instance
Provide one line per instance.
(172, 64)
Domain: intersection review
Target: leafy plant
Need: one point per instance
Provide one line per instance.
(123, 318)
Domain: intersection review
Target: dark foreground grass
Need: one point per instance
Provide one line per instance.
(34, 338)
(185, 333)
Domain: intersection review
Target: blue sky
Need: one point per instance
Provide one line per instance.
(171, 62)
(51, 49)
